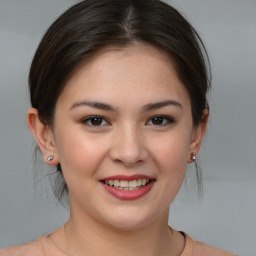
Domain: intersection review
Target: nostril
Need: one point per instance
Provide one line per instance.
(128, 149)
(130, 163)
(128, 160)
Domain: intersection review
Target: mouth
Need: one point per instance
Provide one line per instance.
(128, 185)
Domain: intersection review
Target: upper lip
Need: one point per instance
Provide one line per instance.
(131, 177)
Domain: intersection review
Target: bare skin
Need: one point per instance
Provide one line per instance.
(166, 243)
(143, 126)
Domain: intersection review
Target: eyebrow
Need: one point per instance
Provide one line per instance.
(104, 106)
(157, 105)
(93, 104)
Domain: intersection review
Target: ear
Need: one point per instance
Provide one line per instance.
(197, 135)
(43, 135)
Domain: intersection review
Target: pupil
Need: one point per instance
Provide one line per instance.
(157, 120)
(96, 121)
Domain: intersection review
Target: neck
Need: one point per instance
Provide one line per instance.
(88, 237)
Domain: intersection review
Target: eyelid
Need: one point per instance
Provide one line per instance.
(88, 118)
(169, 119)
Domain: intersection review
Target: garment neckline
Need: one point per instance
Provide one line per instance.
(49, 246)
(188, 248)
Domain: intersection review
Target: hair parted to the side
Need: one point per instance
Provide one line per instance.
(92, 25)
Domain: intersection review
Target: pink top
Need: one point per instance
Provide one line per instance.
(43, 246)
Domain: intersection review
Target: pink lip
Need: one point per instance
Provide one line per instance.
(128, 194)
(132, 177)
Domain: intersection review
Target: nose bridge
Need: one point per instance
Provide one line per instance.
(128, 145)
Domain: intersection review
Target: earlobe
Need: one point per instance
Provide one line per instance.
(43, 135)
(197, 136)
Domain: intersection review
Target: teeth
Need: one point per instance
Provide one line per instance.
(130, 189)
(127, 185)
(133, 184)
(124, 183)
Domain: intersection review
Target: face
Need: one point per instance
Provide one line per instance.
(123, 133)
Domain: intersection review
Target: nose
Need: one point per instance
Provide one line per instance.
(128, 147)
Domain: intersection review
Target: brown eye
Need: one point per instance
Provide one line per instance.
(160, 120)
(95, 121)
(157, 120)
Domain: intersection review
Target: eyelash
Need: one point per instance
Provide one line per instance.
(166, 121)
(90, 118)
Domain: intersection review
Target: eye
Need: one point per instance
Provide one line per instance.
(160, 120)
(95, 121)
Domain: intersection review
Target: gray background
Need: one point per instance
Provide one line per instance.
(226, 216)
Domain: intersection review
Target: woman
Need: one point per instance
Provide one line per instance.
(118, 93)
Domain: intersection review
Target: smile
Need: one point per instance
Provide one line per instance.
(127, 185)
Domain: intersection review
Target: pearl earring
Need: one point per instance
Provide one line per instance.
(50, 158)
(193, 156)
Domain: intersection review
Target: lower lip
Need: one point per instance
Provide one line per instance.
(128, 194)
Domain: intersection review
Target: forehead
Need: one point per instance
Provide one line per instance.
(136, 70)
(108, 55)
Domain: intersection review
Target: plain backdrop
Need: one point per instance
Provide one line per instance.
(226, 215)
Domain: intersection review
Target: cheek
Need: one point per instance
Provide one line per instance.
(173, 149)
(171, 157)
(173, 162)
(173, 169)
(79, 154)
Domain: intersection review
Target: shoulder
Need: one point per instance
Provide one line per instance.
(41, 247)
(202, 249)
(28, 249)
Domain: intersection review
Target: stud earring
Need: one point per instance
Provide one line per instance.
(50, 158)
(193, 156)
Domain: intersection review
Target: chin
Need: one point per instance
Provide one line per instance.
(128, 225)
(129, 220)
